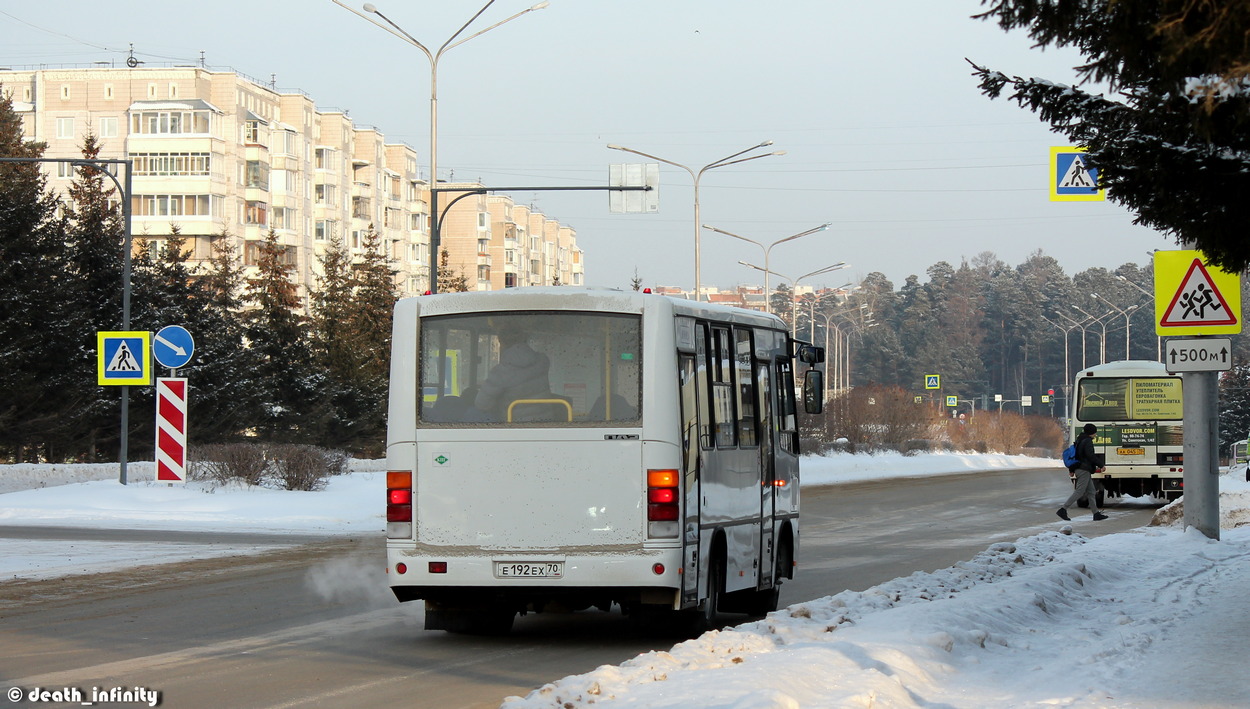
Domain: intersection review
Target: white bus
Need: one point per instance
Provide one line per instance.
(654, 467)
(1137, 406)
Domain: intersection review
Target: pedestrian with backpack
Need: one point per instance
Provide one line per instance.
(1083, 470)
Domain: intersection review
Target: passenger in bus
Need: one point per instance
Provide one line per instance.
(1086, 465)
(521, 373)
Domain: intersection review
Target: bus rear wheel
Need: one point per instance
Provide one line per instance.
(706, 616)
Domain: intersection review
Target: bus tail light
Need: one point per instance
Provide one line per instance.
(663, 509)
(399, 504)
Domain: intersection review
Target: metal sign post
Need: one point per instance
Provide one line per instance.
(1192, 298)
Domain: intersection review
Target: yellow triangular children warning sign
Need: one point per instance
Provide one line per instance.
(1198, 301)
(123, 360)
(1077, 175)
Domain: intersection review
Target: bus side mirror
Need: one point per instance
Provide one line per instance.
(810, 354)
(813, 391)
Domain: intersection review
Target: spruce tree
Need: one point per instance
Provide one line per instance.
(333, 352)
(95, 239)
(38, 343)
(1171, 143)
(449, 279)
(224, 399)
(276, 333)
(1234, 403)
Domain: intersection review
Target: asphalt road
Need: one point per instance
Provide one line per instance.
(313, 625)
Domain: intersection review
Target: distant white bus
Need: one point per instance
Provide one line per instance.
(1138, 408)
(644, 455)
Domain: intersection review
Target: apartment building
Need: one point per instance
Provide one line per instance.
(222, 155)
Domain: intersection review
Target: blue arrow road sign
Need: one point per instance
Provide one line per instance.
(173, 346)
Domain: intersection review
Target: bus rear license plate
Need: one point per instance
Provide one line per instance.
(529, 570)
(1130, 451)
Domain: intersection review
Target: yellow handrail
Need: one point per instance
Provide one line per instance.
(567, 406)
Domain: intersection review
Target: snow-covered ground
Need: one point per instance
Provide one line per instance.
(1152, 618)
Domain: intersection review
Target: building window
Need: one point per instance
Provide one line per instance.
(325, 159)
(165, 205)
(170, 122)
(156, 249)
(285, 142)
(282, 218)
(251, 132)
(324, 194)
(256, 213)
(108, 126)
(256, 175)
(325, 230)
(65, 128)
(361, 208)
(171, 164)
(64, 92)
(287, 255)
(108, 92)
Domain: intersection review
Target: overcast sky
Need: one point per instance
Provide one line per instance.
(887, 136)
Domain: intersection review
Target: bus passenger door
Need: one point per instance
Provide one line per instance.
(768, 526)
(691, 449)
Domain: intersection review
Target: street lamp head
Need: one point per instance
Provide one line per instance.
(540, 5)
(614, 146)
(369, 7)
(777, 152)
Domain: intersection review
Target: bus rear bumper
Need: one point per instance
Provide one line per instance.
(571, 581)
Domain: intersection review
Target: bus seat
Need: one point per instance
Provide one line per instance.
(621, 410)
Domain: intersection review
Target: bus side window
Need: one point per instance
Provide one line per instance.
(743, 359)
(723, 389)
(787, 423)
(703, 372)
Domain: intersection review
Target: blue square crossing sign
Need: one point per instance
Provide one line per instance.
(1071, 178)
(124, 358)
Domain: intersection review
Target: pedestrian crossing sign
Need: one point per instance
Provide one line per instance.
(1193, 298)
(933, 381)
(1071, 178)
(124, 358)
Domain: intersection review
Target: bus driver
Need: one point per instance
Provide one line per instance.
(521, 373)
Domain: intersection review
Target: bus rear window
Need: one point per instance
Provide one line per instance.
(531, 369)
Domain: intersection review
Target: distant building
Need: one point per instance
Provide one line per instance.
(222, 155)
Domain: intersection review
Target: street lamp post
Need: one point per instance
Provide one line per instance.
(434, 57)
(1067, 374)
(767, 249)
(794, 284)
(1149, 297)
(1081, 325)
(696, 176)
(1102, 355)
(838, 292)
(1127, 325)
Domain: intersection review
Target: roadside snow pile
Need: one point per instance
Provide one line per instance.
(1053, 619)
(348, 505)
(27, 476)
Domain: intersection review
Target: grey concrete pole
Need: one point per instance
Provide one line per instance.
(1202, 488)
